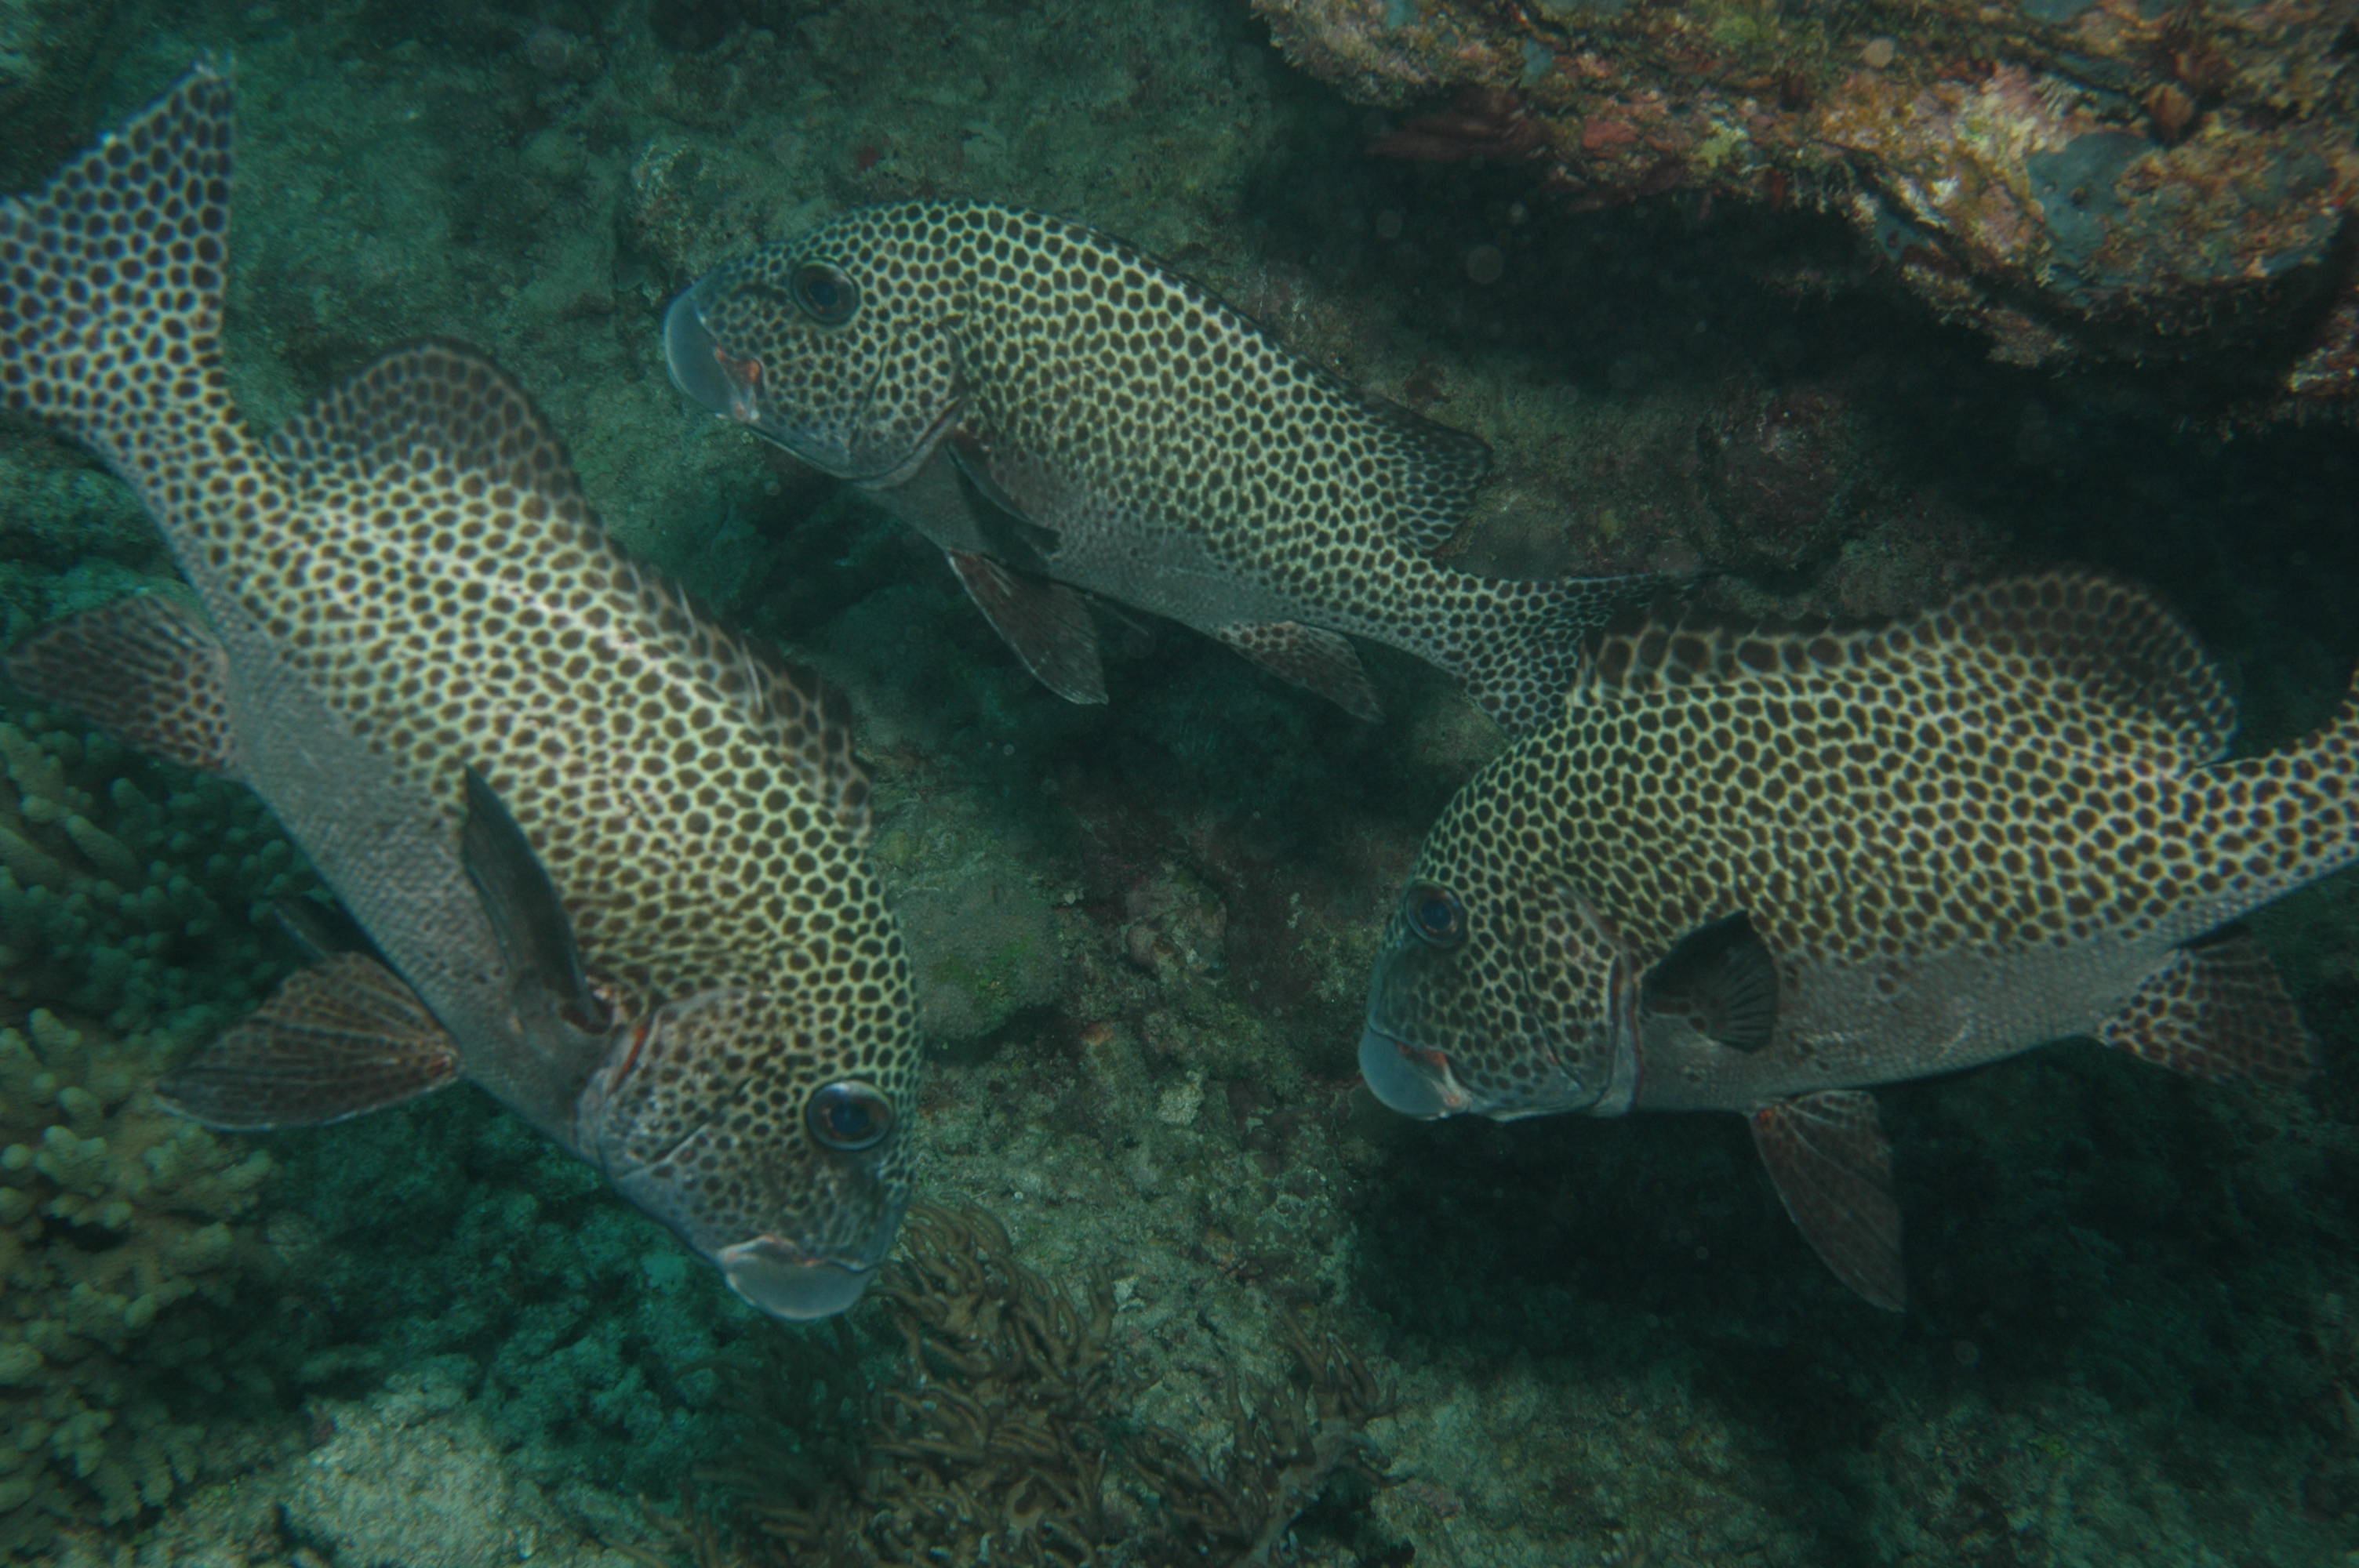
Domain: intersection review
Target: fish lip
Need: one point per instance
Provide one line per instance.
(775, 1276)
(1427, 1091)
(694, 357)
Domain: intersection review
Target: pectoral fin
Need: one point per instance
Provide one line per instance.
(335, 1041)
(2218, 1010)
(528, 920)
(1047, 624)
(146, 669)
(1832, 1164)
(1721, 978)
(1310, 656)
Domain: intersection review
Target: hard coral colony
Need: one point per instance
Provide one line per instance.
(1185, 1292)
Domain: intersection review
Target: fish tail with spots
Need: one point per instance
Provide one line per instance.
(111, 285)
(2281, 820)
(1518, 644)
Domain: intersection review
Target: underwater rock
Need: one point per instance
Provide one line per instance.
(984, 946)
(416, 1476)
(2078, 183)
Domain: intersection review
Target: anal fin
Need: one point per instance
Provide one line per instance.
(1047, 624)
(1828, 1156)
(146, 669)
(1310, 656)
(335, 1041)
(2218, 1010)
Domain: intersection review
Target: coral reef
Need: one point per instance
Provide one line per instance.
(112, 1215)
(2077, 181)
(133, 892)
(1147, 926)
(1005, 1433)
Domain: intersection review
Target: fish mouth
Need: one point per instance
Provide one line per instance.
(730, 387)
(775, 1276)
(1412, 1080)
(700, 367)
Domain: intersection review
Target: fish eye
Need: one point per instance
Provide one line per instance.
(849, 1116)
(1435, 914)
(824, 294)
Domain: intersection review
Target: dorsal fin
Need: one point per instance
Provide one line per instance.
(1442, 470)
(432, 405)
(812, 723)
(2114, 643)
(426, 403)
(2106, 650)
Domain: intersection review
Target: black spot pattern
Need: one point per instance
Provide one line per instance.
(1147, 424)
(417, 545)
(2024, 775)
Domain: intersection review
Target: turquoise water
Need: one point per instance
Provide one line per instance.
(1292, 1325)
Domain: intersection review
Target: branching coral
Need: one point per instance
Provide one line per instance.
(111, 1213)
(1007, 1435)
(129, 893)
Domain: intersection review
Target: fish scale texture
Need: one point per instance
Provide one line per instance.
(1180, 459)
(417, 547)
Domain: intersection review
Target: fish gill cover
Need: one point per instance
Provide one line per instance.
(1142, 933)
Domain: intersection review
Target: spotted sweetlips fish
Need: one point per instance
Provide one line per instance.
(608, 863)
(1064, 418)
(1762, 871)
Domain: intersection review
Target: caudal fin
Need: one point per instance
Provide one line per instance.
(111, 284)
(1519, 673)
(2273, 823)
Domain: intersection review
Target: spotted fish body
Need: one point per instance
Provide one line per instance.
(1760, 872)
(1058, 412)
(616, 861)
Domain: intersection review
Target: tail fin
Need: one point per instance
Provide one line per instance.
(1519, 674)
(111, 284)
(2274, 823)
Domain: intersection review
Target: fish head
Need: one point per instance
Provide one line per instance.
(768, 1146)
(1496, 994)
(835, 345)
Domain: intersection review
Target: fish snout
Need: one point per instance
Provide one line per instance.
(702, 368)
(778, 1278)
(791, 1282)
(1409, 1080)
